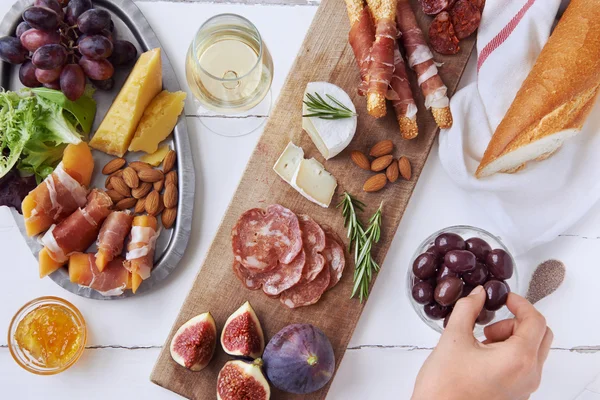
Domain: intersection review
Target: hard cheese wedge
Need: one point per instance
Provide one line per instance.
(157, 157)
(143, 84)
(331, 136)
(313, 182)
(158, 121)
(288, 162)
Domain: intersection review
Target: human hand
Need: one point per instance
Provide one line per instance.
(506, 366)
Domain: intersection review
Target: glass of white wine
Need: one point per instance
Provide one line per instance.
(229, 70)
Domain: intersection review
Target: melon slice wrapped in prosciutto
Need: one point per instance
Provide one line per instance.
(140, 250)
(112, 281)
(111, 239)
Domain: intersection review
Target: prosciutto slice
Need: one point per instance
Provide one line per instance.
(79, 230)
(111, 239)
(112, 281)
(381, 67)
(140, 250)
(420, 59)
(402, 98)
(361, 38)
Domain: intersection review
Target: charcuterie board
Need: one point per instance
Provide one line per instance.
(324, 56)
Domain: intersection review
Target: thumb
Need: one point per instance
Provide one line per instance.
(465, 313)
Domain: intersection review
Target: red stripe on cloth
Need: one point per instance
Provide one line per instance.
(503, 34)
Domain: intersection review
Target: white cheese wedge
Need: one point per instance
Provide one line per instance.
(331, 136)
(288, 162)
(313, 182)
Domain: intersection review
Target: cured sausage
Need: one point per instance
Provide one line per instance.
(313, 240)
(466, 18)
(433, 7)
(262, 239)
(335, 258)
(480, 4)
(442, 36)
(307, 293)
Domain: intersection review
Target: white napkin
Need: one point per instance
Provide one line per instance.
(537, 204)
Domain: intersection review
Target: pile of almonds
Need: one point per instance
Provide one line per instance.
(138, 185)
(389, 169)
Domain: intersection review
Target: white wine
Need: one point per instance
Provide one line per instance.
(228, 67)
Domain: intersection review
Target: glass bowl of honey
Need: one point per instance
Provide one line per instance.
(47, 335)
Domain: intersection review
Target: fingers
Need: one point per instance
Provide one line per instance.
(465, 313)
(531, 325)
(499, 331)
(545, 346)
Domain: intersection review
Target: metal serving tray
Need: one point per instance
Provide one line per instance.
(130, 24)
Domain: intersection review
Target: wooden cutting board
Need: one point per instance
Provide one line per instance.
(324, 56)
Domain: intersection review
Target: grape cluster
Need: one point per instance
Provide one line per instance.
(60, 42)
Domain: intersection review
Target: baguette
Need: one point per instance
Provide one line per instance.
(555, 98)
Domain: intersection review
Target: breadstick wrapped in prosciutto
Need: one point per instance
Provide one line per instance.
(140, 250)
(111, 239)
(420, 59)
(112, 281)
(381, 67)
(361, 38)
(61, 193)
(402, 98)
(75, 234)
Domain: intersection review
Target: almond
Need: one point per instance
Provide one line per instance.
(114, 196)
(113, 166)
(382, 148)
(126, 203)
(152, 203)
(130, 177)
(169, 161)
(150, 175)
(381, 163)
(171, 177)
(392, 172)
(120, 186)
(142, 190)
(375, 183)
(171, 195)
(161, 204)
(140, 206)
(405, 169)
(139, 165)
(158, 185)
(107, 183)
(168, 217)
(359, 158)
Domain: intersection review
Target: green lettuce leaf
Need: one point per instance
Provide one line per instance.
(83, 110)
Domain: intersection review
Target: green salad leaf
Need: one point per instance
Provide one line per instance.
(83, 110)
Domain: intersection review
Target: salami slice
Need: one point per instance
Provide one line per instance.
(480, 4)
(262, 239)
(442, 36)
(466, 18)
(335, 258)
(246, 277)
(272, 282)
(433, 7)
(313, 240)
(307, 293)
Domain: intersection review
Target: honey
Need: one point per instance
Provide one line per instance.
(50, 335)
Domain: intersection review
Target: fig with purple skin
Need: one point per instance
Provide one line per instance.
(299, 359)
(242, 334)
(193, 345)
(239, 380)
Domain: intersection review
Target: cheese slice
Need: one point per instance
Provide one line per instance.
(288, 162)
(157, 157)
(312, 181)
(331, 136)
(118, 126)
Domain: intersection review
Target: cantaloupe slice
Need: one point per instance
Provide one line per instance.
(78, 162)
(47, 265)
(158, 121)
(143, 84)
(79, 269)
(136, 281)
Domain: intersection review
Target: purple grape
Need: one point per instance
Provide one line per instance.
(51, 4)
(63, 3)
(53, 85)
(22, 28)
(106, 84)
(41, 18)
(72, 81)
(96, 47)
(49, 56)
(97, 69)
(12, 51)
(75, 8)
(93, 21)
(123, 53)
(33, 39)
(48, 76)
(27, 75)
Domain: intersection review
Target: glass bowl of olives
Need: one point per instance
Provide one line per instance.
(452, 262)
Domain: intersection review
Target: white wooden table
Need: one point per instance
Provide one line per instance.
(390, 342)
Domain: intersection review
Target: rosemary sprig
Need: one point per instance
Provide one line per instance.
(318, 107)
(362, 240)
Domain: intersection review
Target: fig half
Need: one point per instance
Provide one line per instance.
(194, 342)
(240, 380)
(242, 334)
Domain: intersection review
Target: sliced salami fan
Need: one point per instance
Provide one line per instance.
(335, 258)
(246, 277)
(442, 36)
(313, 240)
(466, 17)
(272, 282)
(433, 7)
(480, 4)
(262, 239)
(305, 294)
